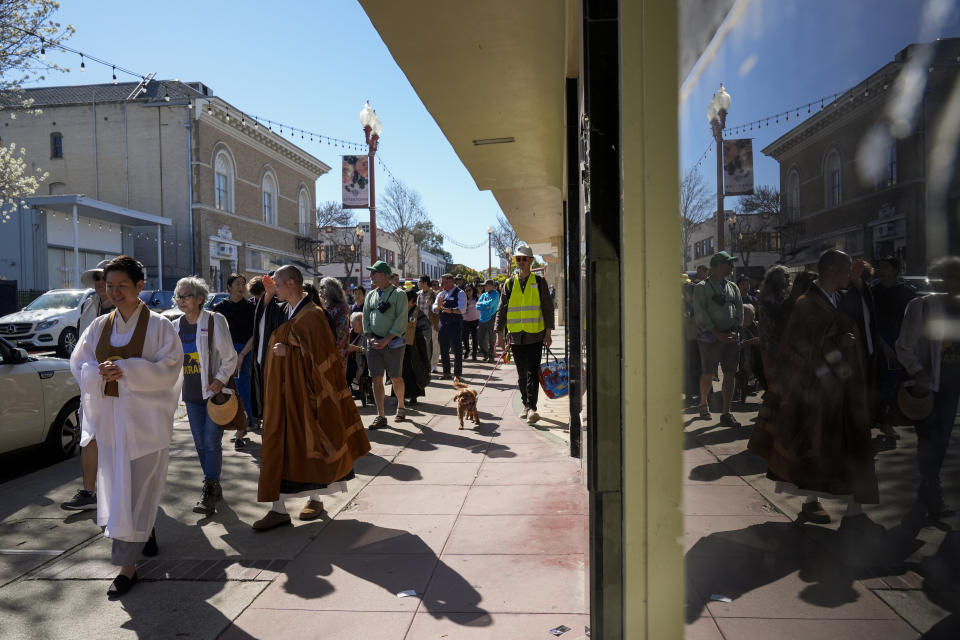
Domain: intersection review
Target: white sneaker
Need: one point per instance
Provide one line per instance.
(524, 413)
(533, 416)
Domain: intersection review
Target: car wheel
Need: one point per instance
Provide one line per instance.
(64, 434)
(67, 342)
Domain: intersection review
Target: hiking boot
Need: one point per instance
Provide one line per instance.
(533, 416)
(81, 501)
(727, 420)
(210, 494)
(378, 423)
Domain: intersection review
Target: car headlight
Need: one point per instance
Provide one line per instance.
(46, 324)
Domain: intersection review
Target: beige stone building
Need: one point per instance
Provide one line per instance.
(171, 174)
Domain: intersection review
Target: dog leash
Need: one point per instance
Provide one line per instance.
(495, 367)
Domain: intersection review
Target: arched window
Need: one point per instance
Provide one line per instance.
(57, 188)
(56, 145)
(303, 208)
(223, 181)
(268, 187)
(833, 179)
(793, 195)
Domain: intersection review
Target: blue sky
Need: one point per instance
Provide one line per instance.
(312, 65)
(307, 64)
(784, 53)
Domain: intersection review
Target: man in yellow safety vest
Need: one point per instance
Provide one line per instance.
(526, 316)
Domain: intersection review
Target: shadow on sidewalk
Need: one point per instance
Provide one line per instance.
(371, 553)
(740, 464)
(735, 563)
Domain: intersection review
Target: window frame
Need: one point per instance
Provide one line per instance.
(268, 199)
(223, 198)
(833, 179)
(56, 146)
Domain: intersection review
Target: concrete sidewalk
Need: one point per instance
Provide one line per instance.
(755, 572)
(487, 525)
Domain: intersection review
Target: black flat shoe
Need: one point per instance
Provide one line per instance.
(121, 585)
(150, 547)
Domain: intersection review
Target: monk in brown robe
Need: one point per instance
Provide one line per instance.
(814, 427)
(312, 433)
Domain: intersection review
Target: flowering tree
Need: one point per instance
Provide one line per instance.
(27, 30)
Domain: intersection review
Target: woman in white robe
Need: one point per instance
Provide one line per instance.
(129, 385)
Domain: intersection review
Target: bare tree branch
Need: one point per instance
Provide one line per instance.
(401, 214)
(504, 237)
(694, 208)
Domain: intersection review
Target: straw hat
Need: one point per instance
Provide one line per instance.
(912, 406)
(222, 407)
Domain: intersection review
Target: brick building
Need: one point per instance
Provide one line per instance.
(847, 183)
(171, 174)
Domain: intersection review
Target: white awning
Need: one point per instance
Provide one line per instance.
(80, 205)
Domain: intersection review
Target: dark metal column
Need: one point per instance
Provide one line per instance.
(571, 214)
(600, 127)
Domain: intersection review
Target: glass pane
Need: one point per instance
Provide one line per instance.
(822, 355)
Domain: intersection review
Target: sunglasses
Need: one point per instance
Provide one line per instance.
(523, 258)
(185, 296)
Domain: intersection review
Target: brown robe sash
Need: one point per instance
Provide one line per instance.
(133, 349)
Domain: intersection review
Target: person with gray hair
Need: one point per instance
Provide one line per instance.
(334, 302)
(206, 340)
(929, 349)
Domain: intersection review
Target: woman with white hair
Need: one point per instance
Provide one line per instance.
(334, 302)
(201, 351)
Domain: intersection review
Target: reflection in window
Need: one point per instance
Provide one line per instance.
(793, 195)
(832, 177)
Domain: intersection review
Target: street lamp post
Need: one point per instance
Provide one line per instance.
(371, 131)
(358, 234)
(717, 115)
(489, 252)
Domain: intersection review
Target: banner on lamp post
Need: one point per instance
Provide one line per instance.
(737, 167)
(356, 182)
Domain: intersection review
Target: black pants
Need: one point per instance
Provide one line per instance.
(527, 358)
(449, 338)
(470, 331)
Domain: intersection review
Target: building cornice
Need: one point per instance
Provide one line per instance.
(279, 148)
(227, 214)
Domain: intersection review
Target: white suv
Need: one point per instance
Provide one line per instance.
(49, 322)
(39, 403)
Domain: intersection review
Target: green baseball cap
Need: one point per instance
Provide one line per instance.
(380, 266)
(720, 257)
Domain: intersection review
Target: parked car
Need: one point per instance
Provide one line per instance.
(212, 299)
(157, 300)
(49, 322)
(39, 403)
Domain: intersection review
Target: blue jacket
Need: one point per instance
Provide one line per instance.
(487, 304)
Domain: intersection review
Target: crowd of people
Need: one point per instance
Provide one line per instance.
(281, 356)
(835, 353)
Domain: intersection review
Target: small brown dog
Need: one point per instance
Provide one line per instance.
(466, 402)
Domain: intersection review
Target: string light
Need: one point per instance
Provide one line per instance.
(114, 75)
(83, 67)
(43, 51)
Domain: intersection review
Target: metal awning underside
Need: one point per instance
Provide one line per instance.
(92, 208)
